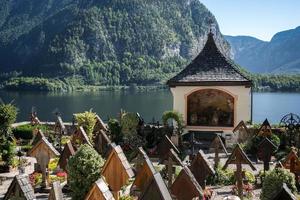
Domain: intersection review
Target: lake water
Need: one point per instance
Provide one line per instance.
(149, 104)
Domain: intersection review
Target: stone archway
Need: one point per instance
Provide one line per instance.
(210, 107)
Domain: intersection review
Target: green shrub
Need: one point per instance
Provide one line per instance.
(8, 115)
(83, 170)
(25, 132)
(222, 177)
(251, 146)
(87, 120)
(115, 130)
(274, 180)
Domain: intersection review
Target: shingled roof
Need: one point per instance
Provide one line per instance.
(210, 67)
(100, 191)
(20, 188)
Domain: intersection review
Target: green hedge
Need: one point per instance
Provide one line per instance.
(25, 131)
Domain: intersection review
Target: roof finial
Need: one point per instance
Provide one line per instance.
(211, 25)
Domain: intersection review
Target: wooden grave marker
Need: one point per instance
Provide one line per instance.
(164, 147)
(100, 125)
(99, 191)
(156, 189)
(242, 132)
(80, 137)
(284, 194)
(43, 151)
(217, 145)
(145, 172)
(59, 127)
(292, 162)
(65, 155)
(56, 191)
(102, 143)
(117, 170)
(37, 136)
(20, 188)
(265, 151)
(201, 168)
(185, 185)
(265, 129)
(238, 157)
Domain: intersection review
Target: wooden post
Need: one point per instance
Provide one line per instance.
(239, 178)
(265, 151)
(170, 171)
(238, 157)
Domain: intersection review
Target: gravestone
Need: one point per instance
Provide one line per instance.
(99, 191)
(265, 129)
(65, 155)
(265, 151)
(117, 170)
(102, 143)
(80, 137)
(164, 147)
(186, 186)
(284, 194)
(201, 168)
(20, 188)
(43, 151)
(241, 132)
(292, 162)
(218, 146)
(238, 157)
(56, 191)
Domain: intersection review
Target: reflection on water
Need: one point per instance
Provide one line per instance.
(149, 104)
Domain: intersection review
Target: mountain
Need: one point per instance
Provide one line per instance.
(280, 55)
(102, 42)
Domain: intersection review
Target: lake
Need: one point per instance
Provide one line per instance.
(150, 104)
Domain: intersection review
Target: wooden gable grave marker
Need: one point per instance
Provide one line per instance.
(99, 191)
(80, 137)
(218, 145)
(145, 172)
(102, 143)
(37, 136)
(186, 186)
(156, 189)
(238, 157)
(20, 188)
(56, 192)
(265, 129)
(117, 170)
(100, 125)
(242, 132)
(284, 194)
(65, 155)
(164, 148)
(59, 127)
(43, 151)
(265, 150)
(292, 162)
(201, 168)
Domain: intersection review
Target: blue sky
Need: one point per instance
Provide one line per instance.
(258, 18)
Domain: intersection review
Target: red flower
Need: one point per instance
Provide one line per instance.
(61, 174)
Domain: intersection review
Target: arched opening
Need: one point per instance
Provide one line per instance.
(210, 107)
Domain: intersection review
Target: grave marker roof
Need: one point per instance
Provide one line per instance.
(20, 187)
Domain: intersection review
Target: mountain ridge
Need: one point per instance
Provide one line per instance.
(279, 55)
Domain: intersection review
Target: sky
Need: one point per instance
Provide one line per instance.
(258, 18)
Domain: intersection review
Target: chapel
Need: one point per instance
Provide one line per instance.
(211, 92)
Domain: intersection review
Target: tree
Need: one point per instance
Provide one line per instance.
(87, 120)
(83, 170)
(274, 180)
(8, 115)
